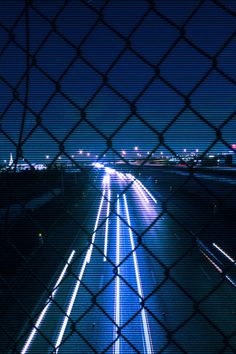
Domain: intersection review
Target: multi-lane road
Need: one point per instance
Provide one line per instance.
(142, 284)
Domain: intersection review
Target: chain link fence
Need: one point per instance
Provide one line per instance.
(133, 254)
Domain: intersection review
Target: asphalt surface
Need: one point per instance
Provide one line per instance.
(150, 280)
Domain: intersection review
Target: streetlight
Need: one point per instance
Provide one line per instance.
(80, 152)
(136, 148)
(123, 152)
(88, 154)
(47, 157)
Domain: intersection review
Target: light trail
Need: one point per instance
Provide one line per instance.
(146, 329)
(47, 305)
(230, 280)
(90, 250)
(121, 175)
(106, 180)
(224, 253)
(216, 266)
(141, 191)
(211, 261)
(138, 188)
(116, 348)
(107, 224)
(76, 288)
(147, 191)
(71, 304)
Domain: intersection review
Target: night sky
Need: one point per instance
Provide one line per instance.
(95, 64)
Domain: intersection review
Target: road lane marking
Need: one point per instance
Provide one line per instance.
(146, 328)
(116, 348)
(47, 305)
(107, 224)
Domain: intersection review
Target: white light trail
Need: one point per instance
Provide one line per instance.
(141, 191)
(107, 224)
(47, 305)
(106, 180)
(110, 170)
(146, 329)
(70, 306)
(137, 181)
(138, 188)
(76, 288)
(211, 261)
(224, 253)
(116, 348)
(230, 280)
(121, 175)
(147, 191)
(88, 257)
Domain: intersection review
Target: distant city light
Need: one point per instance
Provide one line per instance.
(47, 157)
(88, 153)
(80, 152)
(136, 148)
(98, 165)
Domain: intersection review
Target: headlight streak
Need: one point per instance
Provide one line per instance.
(224, 253)
(106, 180)
(138, 188)
(146, 329)
(107, 224)
(71, 304)
(217, 267)
(121, 175)
(230, 280)
(76, 289)
(116, 347)
(147, 191)
(211, 261)
(47, 305)
(88, 257)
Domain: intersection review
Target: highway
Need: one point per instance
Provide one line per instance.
(136, 288)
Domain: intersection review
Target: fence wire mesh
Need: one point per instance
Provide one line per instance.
(133, 254)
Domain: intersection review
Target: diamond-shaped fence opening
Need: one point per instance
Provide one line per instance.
(117, 176)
